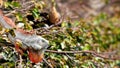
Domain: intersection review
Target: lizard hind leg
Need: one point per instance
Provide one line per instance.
(18, 49)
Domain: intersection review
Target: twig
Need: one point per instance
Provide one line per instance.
(89, 10)
(1, 56)
(69, 57)
(22, 9)
(20, 64)
(46, 29)
(10, 13)
(47, 63)
(6, 44)
(91, 52)
(56, 24)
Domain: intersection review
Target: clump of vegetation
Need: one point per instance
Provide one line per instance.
(86, 43)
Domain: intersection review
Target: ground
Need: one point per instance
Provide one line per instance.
(87, 37)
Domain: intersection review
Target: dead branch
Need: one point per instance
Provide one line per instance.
(101, 55)
(91, 52)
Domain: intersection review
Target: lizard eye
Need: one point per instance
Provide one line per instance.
(43, 41)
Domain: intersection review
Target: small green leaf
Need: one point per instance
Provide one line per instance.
(35, 13)
(19, 17)
(16, 4)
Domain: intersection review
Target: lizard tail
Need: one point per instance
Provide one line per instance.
(6, 22)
